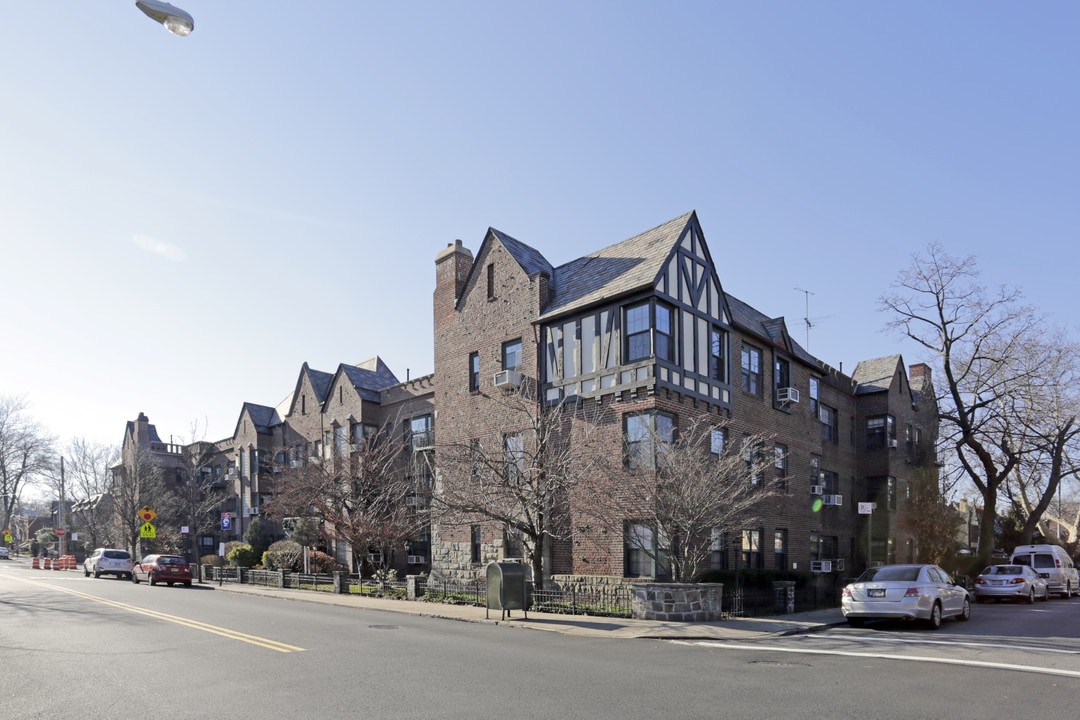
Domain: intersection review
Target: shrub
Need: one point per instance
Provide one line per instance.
(283, 555)
(215, 560)
(243, 556)
(320, 562)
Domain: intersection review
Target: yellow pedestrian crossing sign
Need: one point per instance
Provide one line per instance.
(148, 531)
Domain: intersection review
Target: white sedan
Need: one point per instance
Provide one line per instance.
(905, 592)
(4, 555)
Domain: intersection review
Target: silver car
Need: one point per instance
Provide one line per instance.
(108, 561)
(905, 592)
(1013, 582)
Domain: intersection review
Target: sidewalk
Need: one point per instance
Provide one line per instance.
(582, 625)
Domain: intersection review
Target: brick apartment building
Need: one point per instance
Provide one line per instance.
(644, 329)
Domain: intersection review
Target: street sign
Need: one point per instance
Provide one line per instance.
(226, 521)
(866, 508)
(148, 531)
(146, 514)
(59, 532)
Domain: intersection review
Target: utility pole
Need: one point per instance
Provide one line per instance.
(60, 510)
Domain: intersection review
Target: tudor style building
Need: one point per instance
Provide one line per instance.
(643, 329)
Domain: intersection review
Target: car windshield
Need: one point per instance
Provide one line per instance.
(116, 555)
(883, 574)
(171, 561)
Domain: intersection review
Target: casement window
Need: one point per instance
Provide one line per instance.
(718, 559)
(421, 433)
(780, 550)
(752, 456)
(514, 446)
(474, 372)
(880, 431)
(751, 370)
(647, 436)
(751, 549)
(815, 390)
(718, 354)
(717, 441)
(341, 441)
(781, 373)
(830, 428)
(511, 355)
(646, 553)
(649, 330)
(780, 465)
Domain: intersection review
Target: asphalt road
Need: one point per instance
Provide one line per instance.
(79, 647)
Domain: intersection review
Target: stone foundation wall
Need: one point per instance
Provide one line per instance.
(683, 602)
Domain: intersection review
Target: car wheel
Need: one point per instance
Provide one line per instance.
(96, 573)
(134, 579)
(85, 571)
(935, 617)
(187, 584)
(965, 612)
(1030, 599)
(169, 584)
(151, 579)
(1068, 591)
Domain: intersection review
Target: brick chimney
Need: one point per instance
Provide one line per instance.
(919, 376)
(452, 267)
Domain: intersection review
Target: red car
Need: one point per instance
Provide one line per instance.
(166, 569)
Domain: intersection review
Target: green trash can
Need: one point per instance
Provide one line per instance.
(507, 589)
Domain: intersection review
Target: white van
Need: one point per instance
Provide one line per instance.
(1053, 563)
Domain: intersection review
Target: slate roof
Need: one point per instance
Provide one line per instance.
(370, 377)
(530, 259)
(618, 269)
(760, 324)
(263, 417)
(152, 429)
(875, 375)
(320, 383)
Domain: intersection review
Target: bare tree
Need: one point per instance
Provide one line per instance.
(137, 483)
(26, 452)
(361, 497)
(194, 501)
(89, 480)
(991, 352)
(929, 517)
(701, 485)
(523, 478)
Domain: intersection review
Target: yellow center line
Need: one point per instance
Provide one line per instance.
(186, 622)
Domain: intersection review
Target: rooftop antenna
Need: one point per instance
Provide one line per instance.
(806, 318)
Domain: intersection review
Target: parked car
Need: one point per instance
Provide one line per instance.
(1053, 563)
(168, 569)
(4, 554)
(108, 561)
(905, 592)
(1013, 582)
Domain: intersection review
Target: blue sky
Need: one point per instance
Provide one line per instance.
(185, 221)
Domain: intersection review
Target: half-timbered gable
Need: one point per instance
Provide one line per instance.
(648, 311)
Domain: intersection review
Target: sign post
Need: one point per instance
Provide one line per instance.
(867, 509)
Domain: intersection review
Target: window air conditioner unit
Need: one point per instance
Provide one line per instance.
(787, 394)
(893, 442)
(832, 499)
(817, 489)
(820, 566)
(507, 379)
(416, 559)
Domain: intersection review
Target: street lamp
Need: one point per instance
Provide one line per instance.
(175, 20)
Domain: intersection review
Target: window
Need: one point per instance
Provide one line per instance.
(515, 456)
(751, 370)
(646, 435)
(511, 355)
(717, 441)
(751, 455)
(649, 331)
(718, 550)
(718, 341)
(637, 332)
(780, 463)
(751, 548)
(890, 493)
(814, 390)
(781, 373)
(421, 434)
(491, 281)
(830, 429)
(879, 430)
(474, 541)
(474, 372)
(646, 555)
(780, 549)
